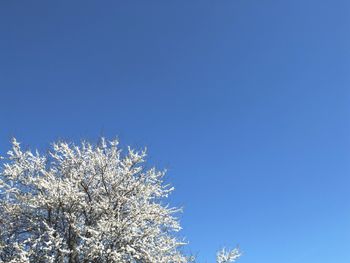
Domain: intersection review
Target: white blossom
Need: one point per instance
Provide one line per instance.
(87, 204)
(226, 256)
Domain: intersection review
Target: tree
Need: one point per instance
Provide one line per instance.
(87, 204)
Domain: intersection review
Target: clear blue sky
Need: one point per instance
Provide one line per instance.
(246, 102)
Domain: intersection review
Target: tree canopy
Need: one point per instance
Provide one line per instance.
(87, 203)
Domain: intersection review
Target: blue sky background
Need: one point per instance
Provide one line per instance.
(245, 102)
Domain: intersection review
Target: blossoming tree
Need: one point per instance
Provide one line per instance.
(87, 204)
